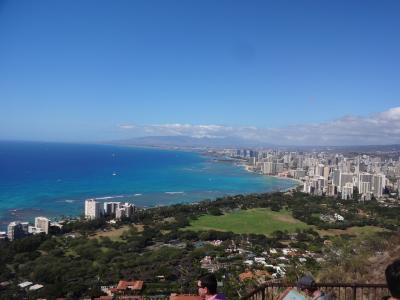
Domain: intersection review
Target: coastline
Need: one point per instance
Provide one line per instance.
(204, 152)
(239, 163)
(212, 182)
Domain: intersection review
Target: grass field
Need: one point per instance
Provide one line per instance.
(114, 234)
(355, 230)
(259, 220)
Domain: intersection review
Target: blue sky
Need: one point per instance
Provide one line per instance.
(96, 70)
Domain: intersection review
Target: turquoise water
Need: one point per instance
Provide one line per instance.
(54, 179)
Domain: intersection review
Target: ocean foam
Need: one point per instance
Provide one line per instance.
(174, 193)
(110, 197)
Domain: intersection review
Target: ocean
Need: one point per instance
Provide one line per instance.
(54, 179)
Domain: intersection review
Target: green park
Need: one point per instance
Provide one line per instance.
(256, 220)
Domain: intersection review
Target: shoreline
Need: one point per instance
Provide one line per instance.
(246, 168)
(23, 213)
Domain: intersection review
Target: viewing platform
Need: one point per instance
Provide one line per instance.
(275, 290)
(339, 291)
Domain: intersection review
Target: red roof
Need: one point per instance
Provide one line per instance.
(136, 285)
(246, 275)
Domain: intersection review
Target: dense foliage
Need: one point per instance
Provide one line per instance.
(78, 266)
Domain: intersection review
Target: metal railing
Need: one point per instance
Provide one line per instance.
(339, 291)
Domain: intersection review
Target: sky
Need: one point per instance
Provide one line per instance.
(287, 72)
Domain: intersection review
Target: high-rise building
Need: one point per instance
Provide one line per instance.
(92, 209)
(125, 210)
(364, 187)
(347, 191)
(345, 178)
(252, 161)
(286, 158)
(299, 173)
(326, 172)
(3, 235)
(319, 170)
(35, 230)
(357, 165)
(331, 190)
(307, 187)
(25, 226)
(15, 231)
(336, 177)
(364, 183)
(120, 212)
(378, 184)
(42, 223)
(365, 177)
(111, 207)
(269, 168)
(279, 168)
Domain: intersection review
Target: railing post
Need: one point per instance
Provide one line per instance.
(341, 290)
(354, 292)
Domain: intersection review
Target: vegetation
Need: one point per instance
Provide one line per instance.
(353, 231)
(361, 259)
(84, 255)
(256, 220)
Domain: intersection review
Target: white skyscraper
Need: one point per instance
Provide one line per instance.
(125, 210)
(92, 209)
(347, 191)
(269, 168)
(364, 187)
(42, 223)
(15, 230)
(111, 207)
(364, 183)
(326, 172)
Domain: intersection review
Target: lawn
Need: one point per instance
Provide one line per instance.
(258, 220)
(355, 230)
(115, 234)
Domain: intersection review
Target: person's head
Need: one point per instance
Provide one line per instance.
(207, 285)
(392, 274)
(307, 285)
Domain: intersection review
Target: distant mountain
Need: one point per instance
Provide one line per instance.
(349, 148)
(190, 142)
(181, 141)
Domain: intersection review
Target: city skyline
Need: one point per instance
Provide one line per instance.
(285, 73)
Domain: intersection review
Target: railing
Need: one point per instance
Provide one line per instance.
(339, 291)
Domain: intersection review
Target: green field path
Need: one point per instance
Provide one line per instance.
(257, 220)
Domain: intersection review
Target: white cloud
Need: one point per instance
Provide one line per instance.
(127, 126)
(379, 128)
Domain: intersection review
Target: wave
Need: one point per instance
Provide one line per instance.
(137, 195)
(110, 197)
(66, 200)
(174, 193)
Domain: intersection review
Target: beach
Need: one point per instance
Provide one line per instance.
(54, 179)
